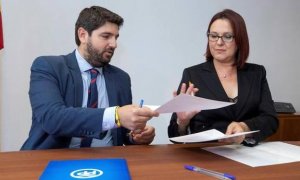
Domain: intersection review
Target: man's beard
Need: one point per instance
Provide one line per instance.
(96, 57)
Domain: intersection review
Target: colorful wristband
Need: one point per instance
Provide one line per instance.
(117, 118)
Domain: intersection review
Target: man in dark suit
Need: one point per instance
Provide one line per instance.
(60, 87)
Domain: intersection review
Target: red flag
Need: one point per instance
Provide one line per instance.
(1, 31)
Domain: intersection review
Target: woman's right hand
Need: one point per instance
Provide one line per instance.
(183, 118)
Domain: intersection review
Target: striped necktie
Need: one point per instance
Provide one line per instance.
(93, 91)
(92, 103)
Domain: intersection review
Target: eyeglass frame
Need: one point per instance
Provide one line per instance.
(222, 37)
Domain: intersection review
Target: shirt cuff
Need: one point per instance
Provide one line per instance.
(109, 119)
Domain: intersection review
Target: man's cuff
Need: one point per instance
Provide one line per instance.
(109, 119)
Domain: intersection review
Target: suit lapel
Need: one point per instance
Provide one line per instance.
(212, 82)
(76, 77)
(110, 83)
(111, 89)
(245, 82)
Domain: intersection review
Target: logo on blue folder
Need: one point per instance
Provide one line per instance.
(92, 169)
(86, 173)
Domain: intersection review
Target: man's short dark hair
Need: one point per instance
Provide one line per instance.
(94, 17)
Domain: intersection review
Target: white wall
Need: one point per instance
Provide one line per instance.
(158, 40)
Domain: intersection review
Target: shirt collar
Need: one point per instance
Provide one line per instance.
(84, 66)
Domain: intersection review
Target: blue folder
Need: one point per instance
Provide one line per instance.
(89, 169)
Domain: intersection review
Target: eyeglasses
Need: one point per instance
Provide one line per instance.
(227, 37)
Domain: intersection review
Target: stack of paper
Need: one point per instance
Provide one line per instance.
(209, 135)
(264, 154)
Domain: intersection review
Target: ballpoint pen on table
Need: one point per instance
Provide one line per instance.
(210, 172)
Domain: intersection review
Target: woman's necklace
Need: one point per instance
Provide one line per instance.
(225, 75)
(223, 71)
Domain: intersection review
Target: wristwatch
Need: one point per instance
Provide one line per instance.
(250, 142)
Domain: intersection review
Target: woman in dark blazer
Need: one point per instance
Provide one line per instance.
(226, 76)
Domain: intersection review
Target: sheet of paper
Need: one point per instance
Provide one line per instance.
(264, 154)
(184, 102)
(209, 135)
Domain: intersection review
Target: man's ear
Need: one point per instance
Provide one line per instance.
(82, 35)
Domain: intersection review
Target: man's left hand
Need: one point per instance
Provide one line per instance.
(146, 136)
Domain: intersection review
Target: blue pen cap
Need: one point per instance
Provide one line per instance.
(229, 176)
(191, 168)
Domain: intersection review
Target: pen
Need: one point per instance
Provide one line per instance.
(141, 103)
(137, 131)
(210, 172)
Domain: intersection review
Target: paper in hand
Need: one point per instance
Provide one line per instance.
(209, 135)
(185, 103)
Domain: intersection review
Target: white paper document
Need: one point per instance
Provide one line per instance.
(264, 154)
(184, 103)
(209, 135)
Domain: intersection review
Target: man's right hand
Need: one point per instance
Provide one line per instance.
(134, 117)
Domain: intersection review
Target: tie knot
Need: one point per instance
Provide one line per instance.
(94, 72)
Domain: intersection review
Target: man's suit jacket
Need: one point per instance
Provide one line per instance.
(56, 91)
(254, 106)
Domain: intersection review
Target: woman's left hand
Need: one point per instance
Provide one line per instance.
(235, 127)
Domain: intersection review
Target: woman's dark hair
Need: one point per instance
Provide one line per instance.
(240, 36)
